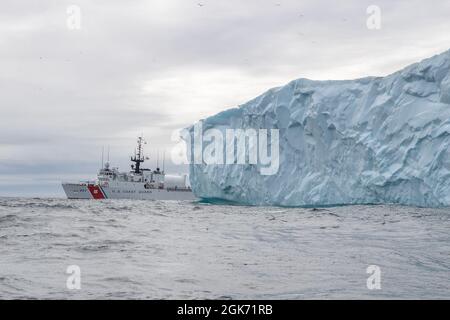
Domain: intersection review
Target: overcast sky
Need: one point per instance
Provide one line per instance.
(156, 66)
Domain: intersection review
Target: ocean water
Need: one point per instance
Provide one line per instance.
(190, 250)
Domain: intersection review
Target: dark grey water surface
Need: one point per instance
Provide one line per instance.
(153, 250)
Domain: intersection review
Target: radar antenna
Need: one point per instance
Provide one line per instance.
(138, 155)
(157, 159)
(103, 151)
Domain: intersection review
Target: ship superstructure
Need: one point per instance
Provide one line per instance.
(139, 183)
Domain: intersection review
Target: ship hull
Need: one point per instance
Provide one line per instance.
(135, 191)
(76, 191)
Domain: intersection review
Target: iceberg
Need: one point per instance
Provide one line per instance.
(373, 140)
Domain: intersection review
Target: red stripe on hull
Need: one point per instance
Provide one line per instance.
(96, 192)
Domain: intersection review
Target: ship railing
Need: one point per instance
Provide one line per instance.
(78, 182)
(82, 182)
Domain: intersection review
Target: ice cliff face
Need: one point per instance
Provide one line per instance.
(371, 140)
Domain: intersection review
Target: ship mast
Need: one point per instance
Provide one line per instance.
(138, 155)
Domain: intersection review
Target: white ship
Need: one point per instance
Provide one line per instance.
(139, 184)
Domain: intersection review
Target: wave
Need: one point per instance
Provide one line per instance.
(40, 205)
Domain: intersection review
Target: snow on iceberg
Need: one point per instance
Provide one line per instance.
(371, 140)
